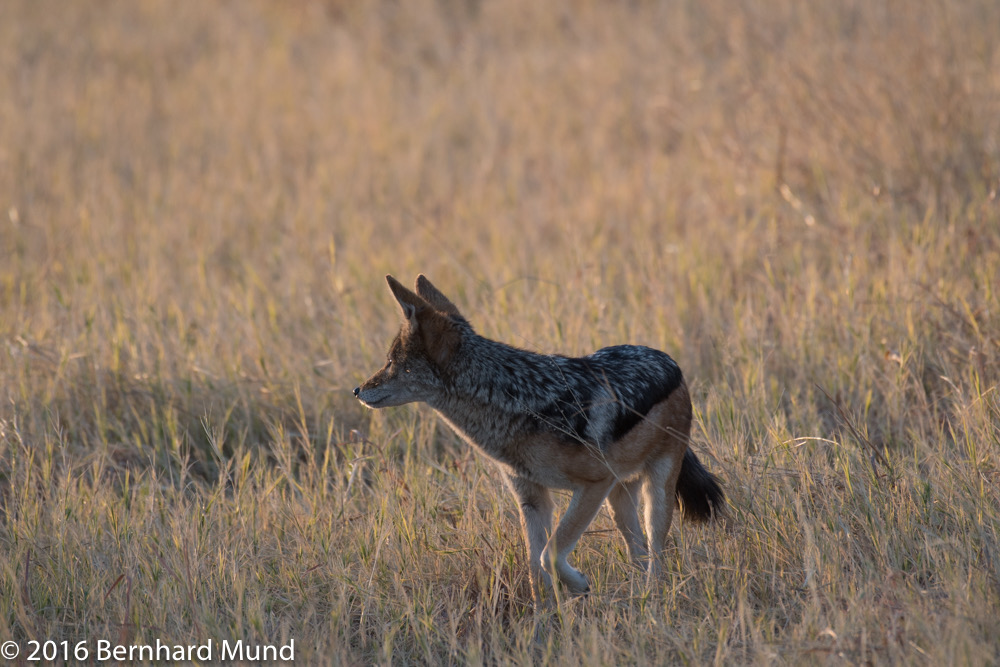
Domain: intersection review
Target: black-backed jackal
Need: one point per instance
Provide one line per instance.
(612, 426)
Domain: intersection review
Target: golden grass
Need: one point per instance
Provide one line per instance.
(797, 200)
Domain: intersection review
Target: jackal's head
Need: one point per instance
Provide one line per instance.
(417, 363)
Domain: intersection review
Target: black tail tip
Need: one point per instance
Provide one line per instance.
(699, 491)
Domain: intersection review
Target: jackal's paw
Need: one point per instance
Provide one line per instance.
(574, 581)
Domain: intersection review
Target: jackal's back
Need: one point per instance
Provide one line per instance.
(593, 400)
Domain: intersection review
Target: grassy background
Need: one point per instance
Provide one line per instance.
(797, 200)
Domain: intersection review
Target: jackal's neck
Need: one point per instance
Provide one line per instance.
(489, 388)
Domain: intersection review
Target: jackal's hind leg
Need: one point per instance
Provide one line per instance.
(535, 504)
(624, 502)
(658, 484)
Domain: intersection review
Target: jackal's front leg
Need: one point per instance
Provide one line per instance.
(581, 511)
(535, 504)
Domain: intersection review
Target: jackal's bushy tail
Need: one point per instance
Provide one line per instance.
(698, 490)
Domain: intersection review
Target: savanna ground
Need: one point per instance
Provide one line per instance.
(199, 200)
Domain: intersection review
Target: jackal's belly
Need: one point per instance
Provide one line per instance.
(548, 458)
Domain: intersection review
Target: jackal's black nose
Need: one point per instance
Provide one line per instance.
(357, 390)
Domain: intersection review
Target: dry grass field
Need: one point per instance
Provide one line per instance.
(198, 202)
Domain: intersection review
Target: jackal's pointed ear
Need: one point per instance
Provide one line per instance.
(433, 296)
(408, 301)
(439, 334)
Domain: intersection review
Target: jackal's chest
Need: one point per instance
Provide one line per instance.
(493, 434)
(521, 449)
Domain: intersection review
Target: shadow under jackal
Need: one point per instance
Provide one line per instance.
(613, 425)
